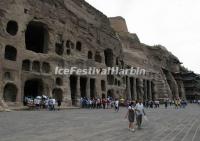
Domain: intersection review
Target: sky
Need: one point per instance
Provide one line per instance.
(174, 24)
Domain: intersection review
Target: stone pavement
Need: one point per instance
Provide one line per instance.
(100, 125)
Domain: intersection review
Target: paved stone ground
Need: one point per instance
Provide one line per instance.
(100, 125)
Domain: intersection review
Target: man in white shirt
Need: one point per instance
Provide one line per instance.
(116, 105)
(139, 113)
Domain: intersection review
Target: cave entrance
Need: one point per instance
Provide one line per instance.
(83, 83)
(10, 53)
(110, 93)
(73, 87)
(58, 94)
(10, 92)
(108, 53)
(33, 88)
(92, 88)
(36, 37)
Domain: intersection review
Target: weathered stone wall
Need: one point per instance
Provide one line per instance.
(70, 29)
(119, 24)
(38, 35)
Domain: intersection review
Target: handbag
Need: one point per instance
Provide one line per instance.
(145, 118)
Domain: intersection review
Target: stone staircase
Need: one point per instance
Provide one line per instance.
(162, 86)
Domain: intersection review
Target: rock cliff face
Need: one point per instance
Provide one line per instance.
(36, 36)
(160, 64)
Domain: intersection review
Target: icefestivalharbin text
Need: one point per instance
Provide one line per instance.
(100, 71)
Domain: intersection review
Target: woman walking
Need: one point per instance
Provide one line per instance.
(131, 116)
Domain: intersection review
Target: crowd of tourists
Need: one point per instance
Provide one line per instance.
(99, 103)
(151, 104)
(195, 101)
(178, 103)
(49, 103)
(106, 103)
(42, 102)
(135, 109)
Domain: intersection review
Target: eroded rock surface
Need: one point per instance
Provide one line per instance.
(36, 36)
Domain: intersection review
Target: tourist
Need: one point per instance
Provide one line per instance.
(166, 103)
(131, 116)
(147, 104)
(31, 103)
(107, 103)
(47, 103)
(183, 103)
(156, 103)
(37, 103)
(116, 105)
(59, 102)
(54, 104)
(179, 103)
(151, 104)
(43, 103)
(87, 102)
(198, 102)
(81, 102)
(51, 104)
(176, 103)
(112, 104)
(25, 101)
(98, 103)
(93, 103)
(170, 102)
(104, 103)
(90, 103)
(139, 108)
